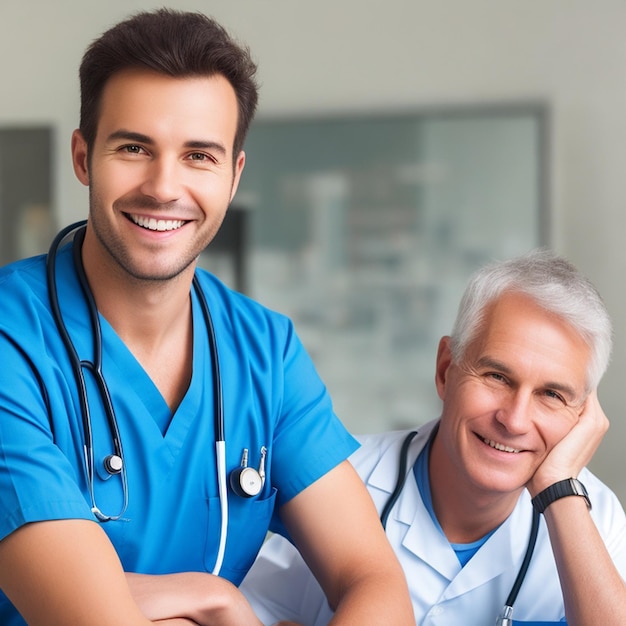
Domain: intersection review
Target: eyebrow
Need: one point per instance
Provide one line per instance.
(128, 135)
(566, 390)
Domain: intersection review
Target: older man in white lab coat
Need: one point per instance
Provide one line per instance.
(520, 420)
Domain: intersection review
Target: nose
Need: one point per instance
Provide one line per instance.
(162, 180)
(515, 413)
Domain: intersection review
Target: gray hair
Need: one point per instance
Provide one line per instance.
(556, 286)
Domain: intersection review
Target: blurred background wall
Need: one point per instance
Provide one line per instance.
(354, 58)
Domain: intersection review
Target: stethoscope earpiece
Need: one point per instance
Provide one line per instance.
(244, 480)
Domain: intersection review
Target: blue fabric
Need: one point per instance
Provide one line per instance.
(516, 623)
(272, 396)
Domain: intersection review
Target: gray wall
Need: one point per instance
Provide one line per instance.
(363, 55)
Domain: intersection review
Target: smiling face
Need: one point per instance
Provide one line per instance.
(517, 393)
(161, 172)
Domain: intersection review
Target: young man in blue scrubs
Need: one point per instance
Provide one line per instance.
(520, 420)
(119, 517)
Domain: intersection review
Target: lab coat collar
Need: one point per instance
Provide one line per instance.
(411, 526)
(383, 476)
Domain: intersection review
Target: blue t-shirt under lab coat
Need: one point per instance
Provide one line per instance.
(272, 398)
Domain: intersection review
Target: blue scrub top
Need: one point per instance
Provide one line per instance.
(272, 397)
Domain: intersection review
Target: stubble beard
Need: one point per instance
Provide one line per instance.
(122, 256)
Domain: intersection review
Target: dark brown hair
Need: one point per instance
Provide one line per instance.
(176, 43)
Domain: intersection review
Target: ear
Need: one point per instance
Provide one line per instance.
(239, 163)
(80, 157)
(444, 360)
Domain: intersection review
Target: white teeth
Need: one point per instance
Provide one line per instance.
(499, 446)
(158, 225)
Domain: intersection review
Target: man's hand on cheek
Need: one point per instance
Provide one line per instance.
(575, 450)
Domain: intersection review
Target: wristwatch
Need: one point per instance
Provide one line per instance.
(567, 487)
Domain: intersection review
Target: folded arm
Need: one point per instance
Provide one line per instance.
(67, 572)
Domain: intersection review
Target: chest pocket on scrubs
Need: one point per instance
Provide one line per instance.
(248, 523)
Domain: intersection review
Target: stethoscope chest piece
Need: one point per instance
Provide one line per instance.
(246, 481)
(113, 464)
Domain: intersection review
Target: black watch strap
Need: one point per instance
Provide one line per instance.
(561, 489)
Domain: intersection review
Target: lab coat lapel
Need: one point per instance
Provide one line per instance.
(410, 525)
(489, 562)
(425, 541)
(422, 537)
(500, 554)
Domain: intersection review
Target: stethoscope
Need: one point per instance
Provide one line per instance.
(245, 481)
(506, 616)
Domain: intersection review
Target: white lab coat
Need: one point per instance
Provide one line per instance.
(280, 586)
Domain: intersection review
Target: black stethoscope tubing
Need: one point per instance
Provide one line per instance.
(401, 479)
(506, 616)
(95, 367)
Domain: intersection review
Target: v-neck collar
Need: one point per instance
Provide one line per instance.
(119, 362)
